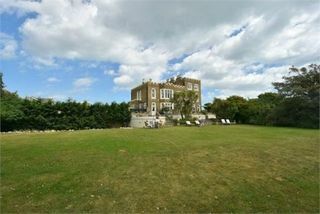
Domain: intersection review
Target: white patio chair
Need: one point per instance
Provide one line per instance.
(223, 122)
(197, 122)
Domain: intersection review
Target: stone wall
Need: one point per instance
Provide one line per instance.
(139, 121)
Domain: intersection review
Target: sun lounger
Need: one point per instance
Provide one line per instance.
(188, 123)
(223, 122)
(228, 122)
(197, 122)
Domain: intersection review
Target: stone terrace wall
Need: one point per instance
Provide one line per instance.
(139, 121)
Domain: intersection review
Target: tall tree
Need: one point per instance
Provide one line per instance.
(237, 104)
(301, 93)
(184, 103)
(302, 82)
(224, 108)
(208, 107)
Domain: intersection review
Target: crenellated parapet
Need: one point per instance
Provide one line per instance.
(151, 97)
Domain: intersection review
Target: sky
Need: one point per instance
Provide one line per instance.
(97, 50)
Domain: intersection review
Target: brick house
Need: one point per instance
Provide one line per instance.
(151, 97)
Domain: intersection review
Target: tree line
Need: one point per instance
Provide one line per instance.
(45, 114)
(296, 103)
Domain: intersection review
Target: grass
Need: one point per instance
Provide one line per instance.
(179, 169)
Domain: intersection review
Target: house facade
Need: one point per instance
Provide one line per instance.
(152, 97)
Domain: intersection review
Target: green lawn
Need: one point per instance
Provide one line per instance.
(179, 169)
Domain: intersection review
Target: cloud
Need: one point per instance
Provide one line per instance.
(41, 61)
(230, 77)
(110, 72)
(83, 83)
(143, 37)
(53, 80)
(8, 46)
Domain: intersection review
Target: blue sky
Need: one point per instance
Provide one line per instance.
(97, 50)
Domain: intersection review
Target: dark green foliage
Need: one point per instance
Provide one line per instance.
(224, 108)
(258, 111)
(300, 92)
(11, 113)
(296, 103)
(302, 83)
(43, 114)
(207, 107)
(241, 110)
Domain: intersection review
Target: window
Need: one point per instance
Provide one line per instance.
(167, 105)
(153, 106)
(189, 86)
(139, 95)
(166, 93)
(153, 93)
(196, 87)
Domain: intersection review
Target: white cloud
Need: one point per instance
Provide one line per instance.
(110, 72)
(83, 83)
(8, 46)
(41, 61)
(230, 77)
(53, 80)
(123, 80)
(143, 36)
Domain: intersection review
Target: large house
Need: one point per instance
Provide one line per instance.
(152, 97)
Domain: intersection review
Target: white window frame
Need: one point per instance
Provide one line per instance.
(166, 94)
(153, 93)
(168, 105)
